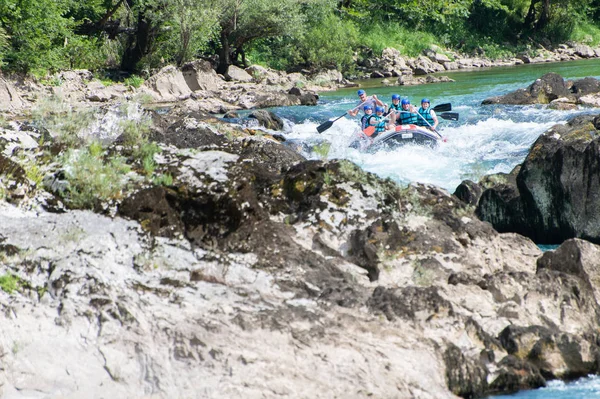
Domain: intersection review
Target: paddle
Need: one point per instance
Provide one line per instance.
(443, 107)
(451, 116)
(324, 126)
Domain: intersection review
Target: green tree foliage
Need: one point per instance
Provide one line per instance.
(46, 35)
(193, 25)
(244, 21)
(38, 33)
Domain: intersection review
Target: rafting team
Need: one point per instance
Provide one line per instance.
(400, 112)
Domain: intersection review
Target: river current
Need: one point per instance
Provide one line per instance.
(485, 140)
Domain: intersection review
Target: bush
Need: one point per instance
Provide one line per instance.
(586, 32)
(329, 44)
(91, 179)
(409, 42)
(64, 122)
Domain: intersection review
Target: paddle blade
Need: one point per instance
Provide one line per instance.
(443, 107)
(324, 126)
(451, 116)
(369, 130)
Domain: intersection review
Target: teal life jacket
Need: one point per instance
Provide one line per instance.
(426, 114)
(397, 107)
(408, 118)
(364, 121)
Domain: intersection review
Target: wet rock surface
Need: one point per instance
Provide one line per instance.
(551, 88)
(554, 195)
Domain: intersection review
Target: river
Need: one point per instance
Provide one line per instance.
(485, 140)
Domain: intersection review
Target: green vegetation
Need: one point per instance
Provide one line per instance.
(93, 178)
(40, 36)
(134, 81)
(9, 283)
(64, 122)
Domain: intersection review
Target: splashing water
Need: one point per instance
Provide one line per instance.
(486, 139)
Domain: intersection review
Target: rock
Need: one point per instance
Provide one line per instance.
(237, 74)
(186, 132)
(468, 192)
(199, 75)
(592, 100)
(167, 85)
(578, 258)
(544, 90)
(267, 119)
(553, 181)
(10, 99)
(585, 86)
(584, 51)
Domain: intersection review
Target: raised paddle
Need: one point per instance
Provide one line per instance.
(443, 107)
(451, 116)
(324, 126)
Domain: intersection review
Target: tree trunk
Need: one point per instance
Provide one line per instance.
(224, 53)
(137, 45)
(530, 18)
(544, 15)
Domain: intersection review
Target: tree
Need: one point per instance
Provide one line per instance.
(244, 21)
(37, 32)
(194, 25)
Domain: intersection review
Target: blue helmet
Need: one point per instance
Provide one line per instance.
(405, 101)
(395, 96)
(425, 100)
(367, 107)
(379, 109)
(361, 92)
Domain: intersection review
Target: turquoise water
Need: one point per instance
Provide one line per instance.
(486, 139)
(585, 388)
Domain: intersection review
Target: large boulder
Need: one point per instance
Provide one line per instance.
(545, 89)
(10, 99)
(199, 75)
(556, 193)
(168, 85)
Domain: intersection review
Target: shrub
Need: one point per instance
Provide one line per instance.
(91, 179)
(383, 35)
(64, 122)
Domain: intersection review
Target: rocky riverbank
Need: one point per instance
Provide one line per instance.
(220, 263)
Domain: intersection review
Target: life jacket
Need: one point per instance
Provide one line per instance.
(408, 118)
(379, 126)
(396, 107)
(364, 121)
(426, 114)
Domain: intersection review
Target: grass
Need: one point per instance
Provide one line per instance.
(134, 81)
(135, 132)
(9, 283)
(163, 180)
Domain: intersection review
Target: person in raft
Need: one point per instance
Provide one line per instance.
(373, 101)
(379, 122)
(364, 121)
(394, 109)
(409, 114)
(428, 117)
